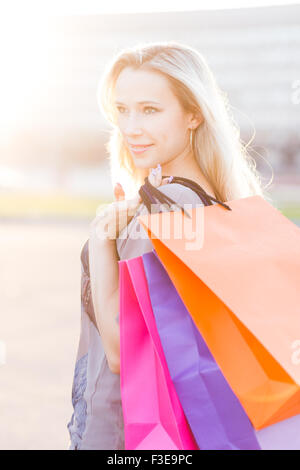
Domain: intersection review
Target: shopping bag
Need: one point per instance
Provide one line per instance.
(215, 415)
(241, 288)
(153, 415)
(283, 435)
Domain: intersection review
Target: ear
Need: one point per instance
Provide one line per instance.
(195, 119)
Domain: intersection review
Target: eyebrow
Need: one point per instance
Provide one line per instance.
(139, 102)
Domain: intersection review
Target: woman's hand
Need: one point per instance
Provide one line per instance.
(113, 218)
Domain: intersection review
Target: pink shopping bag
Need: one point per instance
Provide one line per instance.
(153, 415)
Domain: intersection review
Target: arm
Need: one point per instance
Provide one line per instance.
(104, 278)
(104, 275)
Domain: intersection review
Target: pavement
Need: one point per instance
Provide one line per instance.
(39, 331)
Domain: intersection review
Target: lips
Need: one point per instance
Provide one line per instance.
(139, 149)
(139, 146)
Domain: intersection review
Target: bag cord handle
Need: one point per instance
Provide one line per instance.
(151, 195)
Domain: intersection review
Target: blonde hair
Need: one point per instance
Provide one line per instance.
(218, 149)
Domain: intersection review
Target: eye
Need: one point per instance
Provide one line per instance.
(150, 107)
(122, 109)
(119, 108)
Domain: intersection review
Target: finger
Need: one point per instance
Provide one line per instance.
(165, 181)
(158, 176)
(151, 176)
(155, 176)
(119, 192)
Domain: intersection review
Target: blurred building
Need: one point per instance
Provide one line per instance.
(254, 53)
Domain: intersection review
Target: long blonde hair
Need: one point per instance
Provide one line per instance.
(218, 149)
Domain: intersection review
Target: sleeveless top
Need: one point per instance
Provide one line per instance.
(97, 420)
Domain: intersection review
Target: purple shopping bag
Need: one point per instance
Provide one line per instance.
(215, 415)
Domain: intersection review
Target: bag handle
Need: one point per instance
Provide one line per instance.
(151, 195)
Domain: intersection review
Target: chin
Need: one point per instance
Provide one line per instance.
(144, 164)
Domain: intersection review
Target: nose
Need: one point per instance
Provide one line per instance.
(132, 126)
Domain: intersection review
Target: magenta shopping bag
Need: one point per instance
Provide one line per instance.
(215, 415)
(153, 415)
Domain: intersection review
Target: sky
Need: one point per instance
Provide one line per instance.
(88, 7)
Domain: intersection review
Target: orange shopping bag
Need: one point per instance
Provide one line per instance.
(242, 289)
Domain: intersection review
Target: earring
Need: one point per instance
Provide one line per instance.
(191, 138)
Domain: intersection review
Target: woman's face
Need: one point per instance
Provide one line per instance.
(150, 115)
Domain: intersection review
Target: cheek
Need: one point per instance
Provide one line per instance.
(168, 128)
(174, 134)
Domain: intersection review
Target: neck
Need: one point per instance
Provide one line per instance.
(184, 165)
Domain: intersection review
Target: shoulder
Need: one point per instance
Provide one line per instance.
(137, 241)
(180, 193)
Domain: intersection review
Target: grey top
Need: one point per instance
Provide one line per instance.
(97, 420)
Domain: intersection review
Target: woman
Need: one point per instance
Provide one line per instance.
(167, 113)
